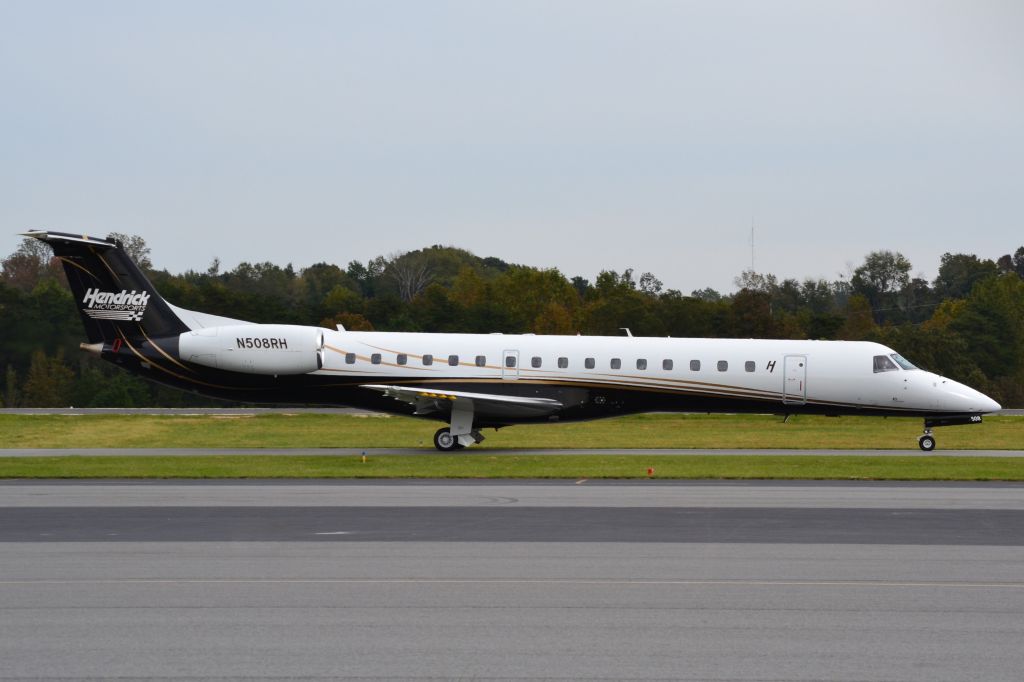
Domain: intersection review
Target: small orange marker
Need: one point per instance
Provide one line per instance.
(650, 471)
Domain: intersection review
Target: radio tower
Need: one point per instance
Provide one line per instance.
(752, 244)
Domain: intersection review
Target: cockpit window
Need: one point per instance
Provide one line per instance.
(884, 364)
(902, 361)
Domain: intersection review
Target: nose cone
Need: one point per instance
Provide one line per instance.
(989, 405)
(961, 398)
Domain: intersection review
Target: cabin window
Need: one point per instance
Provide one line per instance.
(694, 365)
(616, 363)
(375, 358)
(402, 359)
(563, 363)
(641, 363)
(350, 358)
(481, 360)
(453, 360)
(749, 365)
(428, 360)
(902, 361)
(723, 366)
(535, 361)
(589, 363)
(666, 365)
(510, 361)
(884, 364)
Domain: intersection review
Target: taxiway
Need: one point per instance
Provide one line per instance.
(511, 579)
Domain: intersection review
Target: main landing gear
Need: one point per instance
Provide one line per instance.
(445, 441)
(927, 441)
(460, 433)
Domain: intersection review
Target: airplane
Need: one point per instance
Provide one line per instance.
(471, 382)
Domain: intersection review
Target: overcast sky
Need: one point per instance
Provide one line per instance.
(580, 135)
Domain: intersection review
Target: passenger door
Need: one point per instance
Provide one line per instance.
(794, 387)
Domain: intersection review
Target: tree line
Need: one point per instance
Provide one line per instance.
(967, 324)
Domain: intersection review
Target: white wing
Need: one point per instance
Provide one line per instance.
(488, 404)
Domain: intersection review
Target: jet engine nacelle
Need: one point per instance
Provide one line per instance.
(255, 348)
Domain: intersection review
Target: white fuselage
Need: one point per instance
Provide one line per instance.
(837, 373)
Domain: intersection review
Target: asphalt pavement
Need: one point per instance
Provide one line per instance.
(511, 580)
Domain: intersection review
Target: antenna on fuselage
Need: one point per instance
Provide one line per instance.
(628, 333)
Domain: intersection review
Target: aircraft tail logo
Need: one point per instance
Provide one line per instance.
(125, 306)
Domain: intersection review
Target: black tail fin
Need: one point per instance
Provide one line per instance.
(113, 296)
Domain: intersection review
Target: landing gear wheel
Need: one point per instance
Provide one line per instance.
(445, 441)
(926, 442)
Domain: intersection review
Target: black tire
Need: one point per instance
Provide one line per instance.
(926, 443)
(445, 441)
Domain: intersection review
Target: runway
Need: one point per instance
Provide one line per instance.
(515, 452)
(556, 511)
(522, 524)
(511, 580)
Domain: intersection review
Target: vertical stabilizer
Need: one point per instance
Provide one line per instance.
(113, 296)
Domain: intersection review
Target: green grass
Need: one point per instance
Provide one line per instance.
(306, 430)
(641, 431)
(515, 466)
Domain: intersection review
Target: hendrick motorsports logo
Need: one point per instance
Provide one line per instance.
(127, 306)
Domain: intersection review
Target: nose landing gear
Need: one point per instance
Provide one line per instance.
(927, 441)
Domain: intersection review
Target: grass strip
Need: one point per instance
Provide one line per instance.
(637, 431)
(481, 465)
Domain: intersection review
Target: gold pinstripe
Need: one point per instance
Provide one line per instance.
(664, 390)
(150, 362)
(72, 263)
(436, 355)
(655, 381)
(107, 266)
(686, 382)
(580, 384)
(162, 352)
(366, 358)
